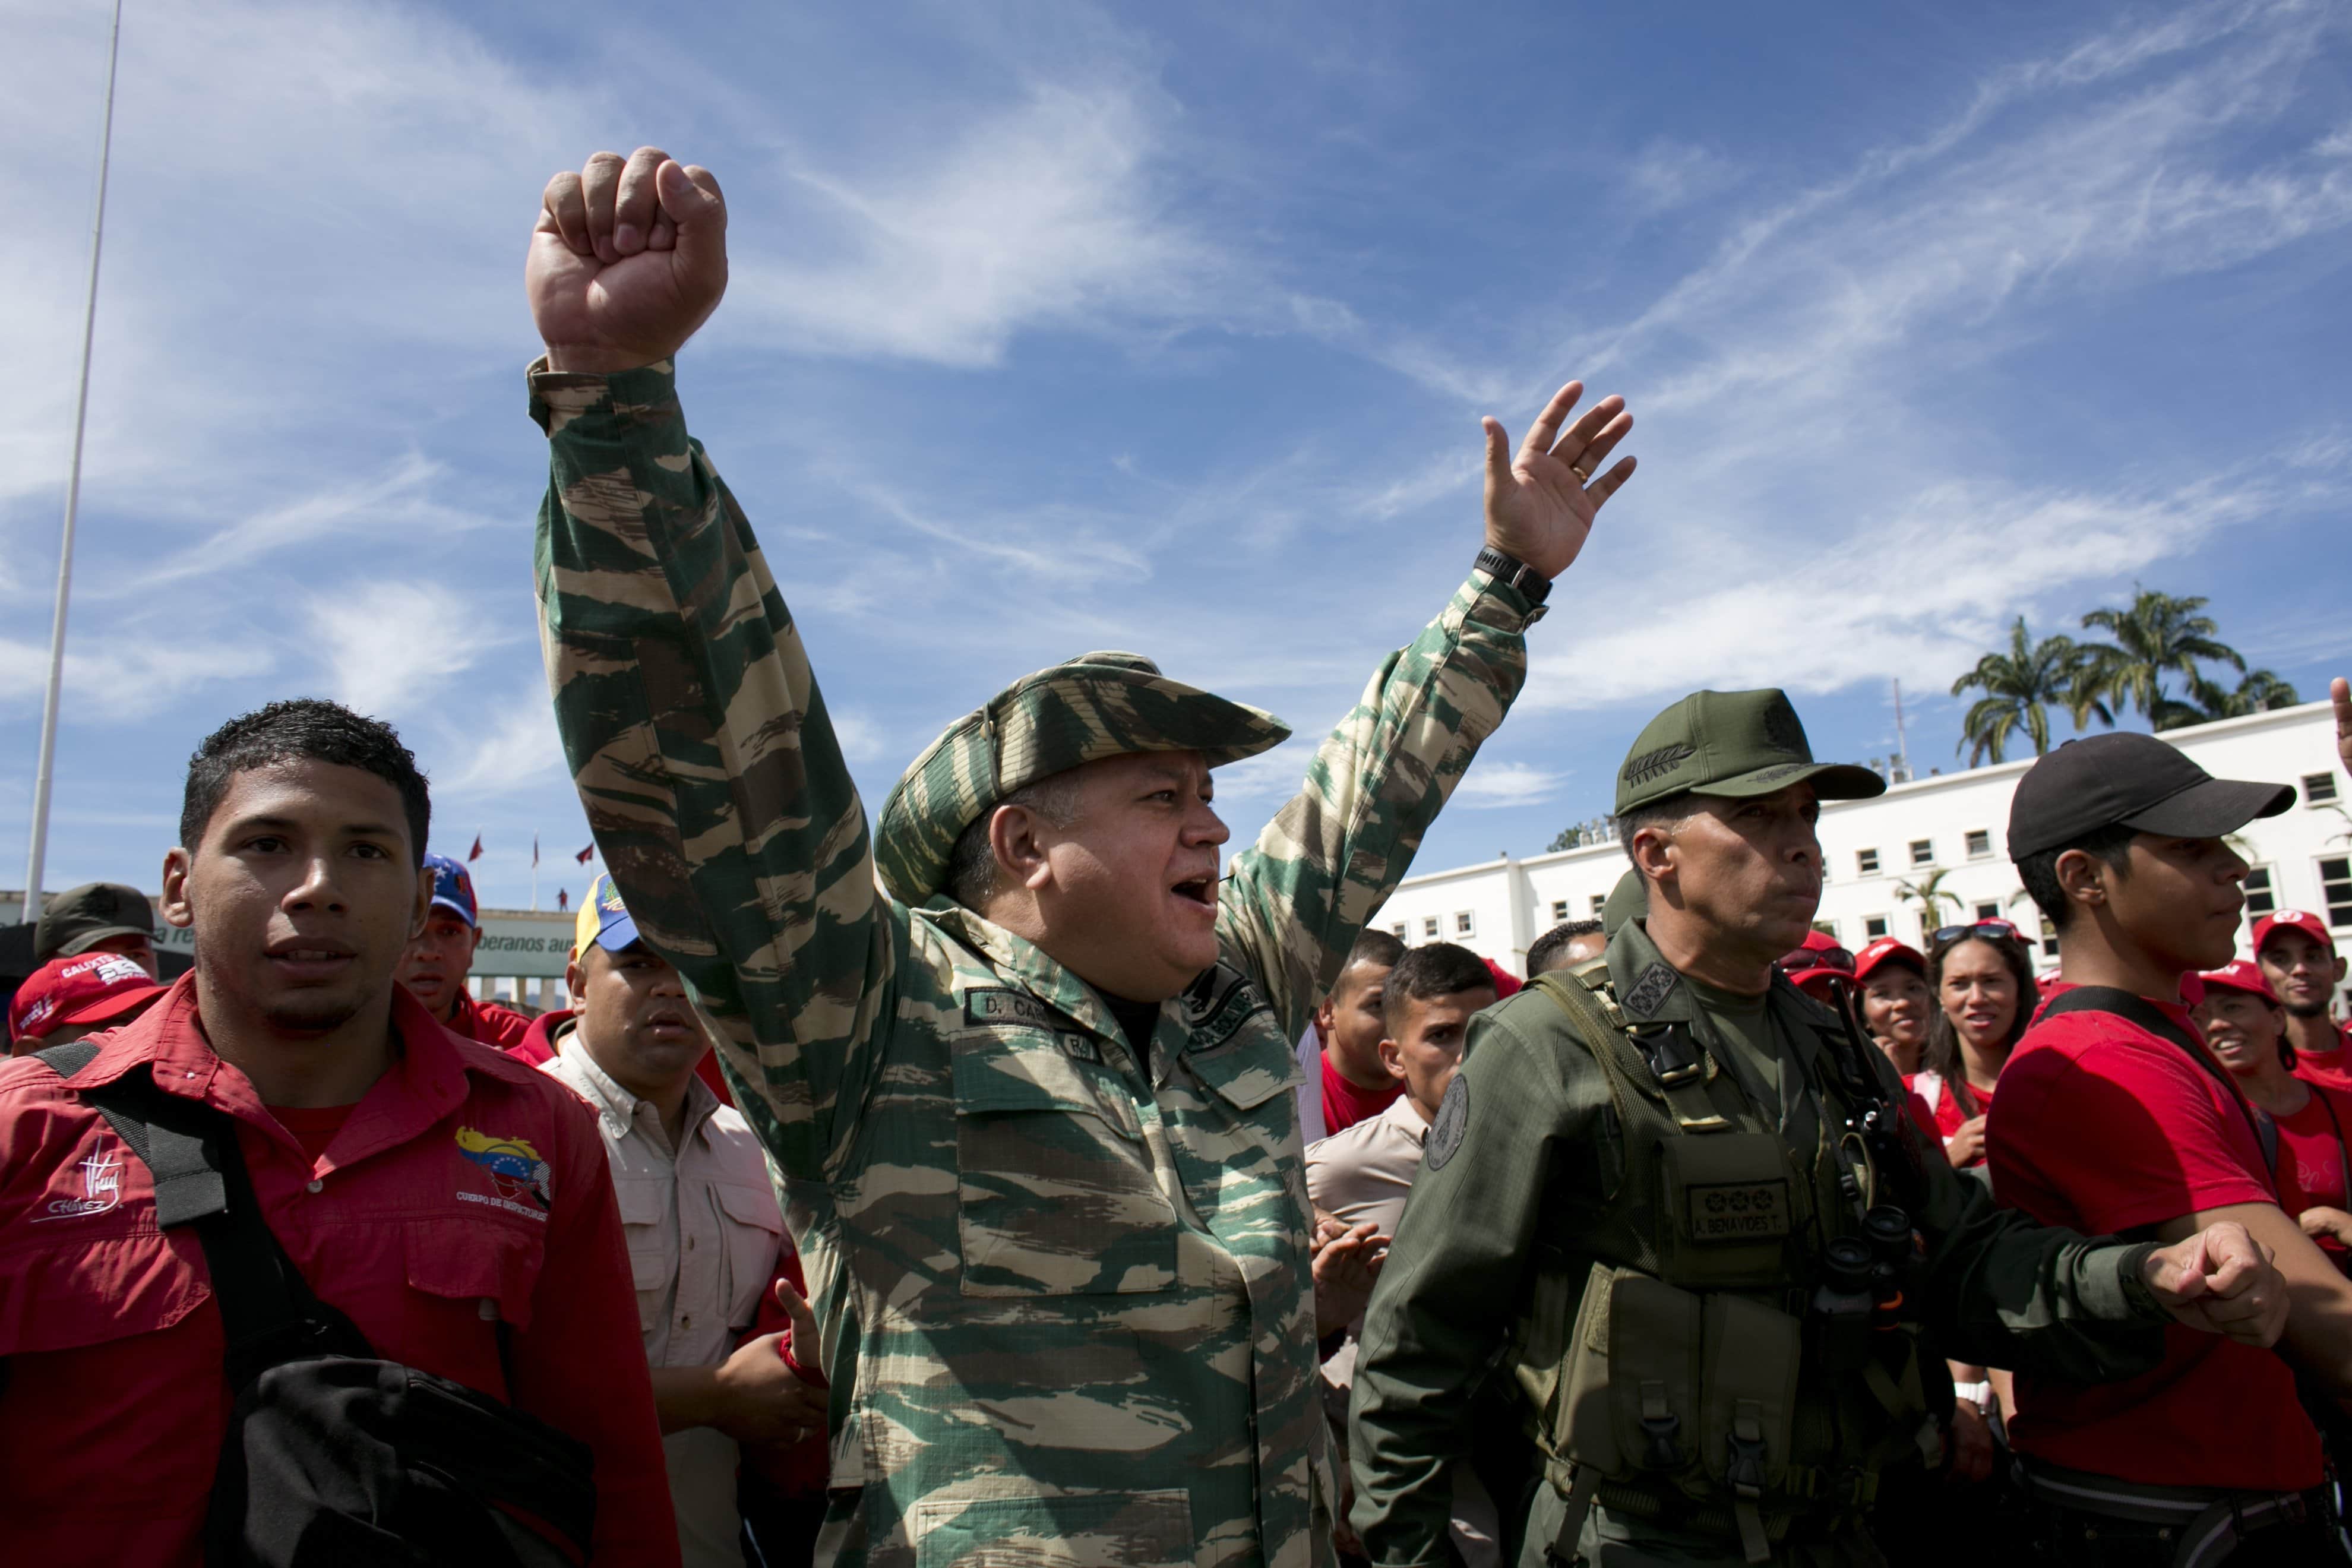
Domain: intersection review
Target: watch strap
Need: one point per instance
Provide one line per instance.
(1517, 573)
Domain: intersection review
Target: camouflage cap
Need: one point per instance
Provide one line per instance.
(1083, 710)
(1734, 743)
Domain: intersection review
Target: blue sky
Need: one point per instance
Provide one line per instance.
(1054, 329)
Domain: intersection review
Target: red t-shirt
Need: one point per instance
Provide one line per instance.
(2333, 1068)
(2310, 1162)
(1344, 1104)
(2105, 1128)
(461, 1177)
(1946, 1114)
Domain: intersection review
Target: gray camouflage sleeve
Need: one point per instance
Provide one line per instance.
(1293, 903)
(705, 759)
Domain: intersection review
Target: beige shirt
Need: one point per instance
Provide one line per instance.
(705, 1235)
(1363, 1173)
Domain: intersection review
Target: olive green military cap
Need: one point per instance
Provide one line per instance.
(1083, 710)
(1628, 901)
(79, 918)
(1733, 744)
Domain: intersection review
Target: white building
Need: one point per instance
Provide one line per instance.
(1947, 831)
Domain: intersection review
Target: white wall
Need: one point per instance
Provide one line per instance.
(1511, 902)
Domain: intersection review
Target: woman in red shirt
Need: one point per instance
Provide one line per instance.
(2245, 1028)
(1979, 977)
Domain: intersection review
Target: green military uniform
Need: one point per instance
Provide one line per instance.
(1635, 1186)
(1062, 1275)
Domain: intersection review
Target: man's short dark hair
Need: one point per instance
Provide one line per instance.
(972, 864)
(1673, 808)
(1376, 947)
(303, 729)
(2039, 872)
(1544, 952)
(1428, 972)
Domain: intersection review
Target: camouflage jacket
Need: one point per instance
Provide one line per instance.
(1063, 1293)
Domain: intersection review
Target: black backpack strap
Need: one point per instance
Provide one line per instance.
(269, 1314)
(2136, 1009)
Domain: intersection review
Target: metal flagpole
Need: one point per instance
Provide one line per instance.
(32, 867)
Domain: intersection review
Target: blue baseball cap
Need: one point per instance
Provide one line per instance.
(604, 919)
(453, 888)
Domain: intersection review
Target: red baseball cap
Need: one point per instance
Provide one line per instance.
(85, 988)
(2241, 974)
(1884, 950)
(2304, 921)
(1819, 955)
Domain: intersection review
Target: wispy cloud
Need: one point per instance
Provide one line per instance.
(1493, 784)
(389, 648)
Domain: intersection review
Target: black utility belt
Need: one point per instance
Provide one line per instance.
(2211, 1521)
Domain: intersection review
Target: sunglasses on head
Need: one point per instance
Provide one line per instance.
(1832, 958)
(1997, 930)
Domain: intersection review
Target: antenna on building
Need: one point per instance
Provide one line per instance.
(1901, 770)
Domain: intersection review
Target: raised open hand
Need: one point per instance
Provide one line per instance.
(1541, 505)
(629, 259)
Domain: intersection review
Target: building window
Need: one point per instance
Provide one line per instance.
(1397, 931)
(1462, 922)
(1988, 911)
(2262, 898)
(2336, 889)
(2049, 938)
(1600, 902)
(1827, 928)
(1979, 844)
(1866, 862)
(1558, 911)
(1429, 929)
(1923, 851)
(1873, 927)
(2318, 789)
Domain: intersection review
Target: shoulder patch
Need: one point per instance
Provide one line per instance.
(1650, 990)
(1452, 1121)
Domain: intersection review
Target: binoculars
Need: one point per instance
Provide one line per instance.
(1861, 1290)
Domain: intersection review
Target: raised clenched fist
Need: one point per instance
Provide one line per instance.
(629, 257)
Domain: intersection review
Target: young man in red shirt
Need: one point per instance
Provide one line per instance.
(2112, 1118)
(1356, 1085)
(428, 1187)
(441, 955)
(2298, 957)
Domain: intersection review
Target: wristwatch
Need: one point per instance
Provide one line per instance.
(1517, 573)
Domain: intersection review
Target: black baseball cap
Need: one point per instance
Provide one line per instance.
(2129, 781)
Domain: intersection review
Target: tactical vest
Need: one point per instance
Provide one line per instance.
(1669, 1358)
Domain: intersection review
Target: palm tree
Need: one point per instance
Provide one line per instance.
(2158, 637)
(1930, 895)
(2259, 692)
(2020, 688)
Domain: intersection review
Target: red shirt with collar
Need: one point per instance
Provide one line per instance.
(492, 1024)
(2106, 1129)
(115, 1404)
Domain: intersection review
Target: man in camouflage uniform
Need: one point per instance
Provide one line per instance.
(1637, 1184)
(1040, 1146)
